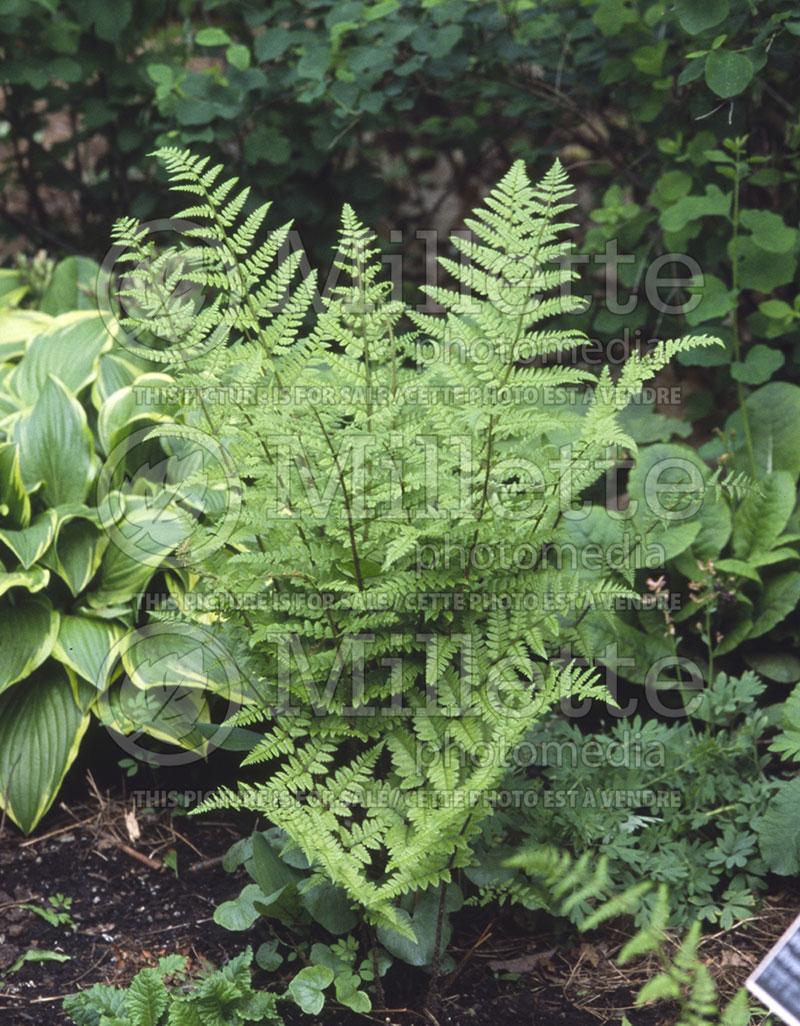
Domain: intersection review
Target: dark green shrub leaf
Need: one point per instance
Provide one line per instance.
(696, 18)
(212, 37)
(727, 74)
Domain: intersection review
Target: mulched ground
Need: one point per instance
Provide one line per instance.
(130, 909)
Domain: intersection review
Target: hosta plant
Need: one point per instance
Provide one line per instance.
(82, 532)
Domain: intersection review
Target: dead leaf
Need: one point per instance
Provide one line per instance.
(132, 825)
(525, 963)
(733, 958)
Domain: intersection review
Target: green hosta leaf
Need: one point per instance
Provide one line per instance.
(696, 18)
(139, 541)
(12, 491)
(12, 287)
(307, 987)
(164, 655)
(17, 328)
(113, 372)
(728, 73)
(759, 366)
(779, 830)
(56, 446)
(644, 425)
(77, 283)
(77, 550)
(35, 579)
(40, 732)
(127, 409)
(69, 348)
(760, 518)
(83, 643)
(28, 631)
(29, 544)
(769, 230)
(167, 713)
(779, 598)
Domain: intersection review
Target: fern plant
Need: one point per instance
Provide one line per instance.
(392, 659)
(683, 979)
(210, 999)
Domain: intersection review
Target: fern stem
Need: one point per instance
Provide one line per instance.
(379, 993)
(737, 349)
(346, 499)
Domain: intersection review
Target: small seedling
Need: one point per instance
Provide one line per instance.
(56, 911)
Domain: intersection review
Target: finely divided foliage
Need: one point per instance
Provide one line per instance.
(383, 649)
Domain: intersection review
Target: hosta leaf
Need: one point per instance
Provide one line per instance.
(83, 643)
(12, 491)
(56, 446)
(28, 630)
(69, 348)
(40, 732)
(29, 544)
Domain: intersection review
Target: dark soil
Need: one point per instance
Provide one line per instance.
(130, 909)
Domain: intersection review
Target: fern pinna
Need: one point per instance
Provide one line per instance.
(391, 656)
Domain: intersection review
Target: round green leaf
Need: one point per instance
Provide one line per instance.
(769, 230)
(239, 913)
(212, 37)
(727, 74)
(238, 56)
(760, 365)
(307, 986)
(697, 17)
